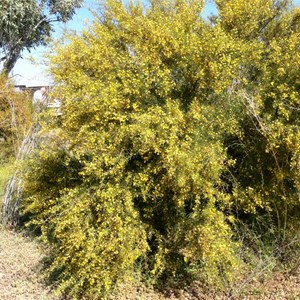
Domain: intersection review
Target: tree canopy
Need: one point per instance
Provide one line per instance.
(28, 23)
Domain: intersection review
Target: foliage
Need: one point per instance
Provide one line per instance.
(5, 172)
(27, 24)
(173, 128)
(267, 152)
(15, 119)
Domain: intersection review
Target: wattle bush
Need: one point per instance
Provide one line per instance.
(172, 129)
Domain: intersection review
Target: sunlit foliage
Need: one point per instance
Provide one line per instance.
(15, 119)
(173, 128)
(27, 24)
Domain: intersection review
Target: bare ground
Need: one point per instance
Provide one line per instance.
(19, 265)
(20, 279)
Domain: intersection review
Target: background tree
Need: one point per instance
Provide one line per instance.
(15, 119)
(27, 24)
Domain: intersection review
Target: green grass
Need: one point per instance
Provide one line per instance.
(5, 172)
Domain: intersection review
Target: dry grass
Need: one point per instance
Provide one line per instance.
(19, 265)
(278, 287)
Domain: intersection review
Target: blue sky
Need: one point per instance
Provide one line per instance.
(32, 74)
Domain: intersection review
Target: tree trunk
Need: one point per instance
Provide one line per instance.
(9, 62)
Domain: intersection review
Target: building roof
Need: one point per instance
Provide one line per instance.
(35, 81)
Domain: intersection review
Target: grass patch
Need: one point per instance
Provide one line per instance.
(6, 170)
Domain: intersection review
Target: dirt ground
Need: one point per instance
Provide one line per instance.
(20, 279)
(19, 263)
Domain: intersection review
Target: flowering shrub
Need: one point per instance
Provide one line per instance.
(172, 129)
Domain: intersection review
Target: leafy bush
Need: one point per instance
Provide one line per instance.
(15, 119)
(172, 129)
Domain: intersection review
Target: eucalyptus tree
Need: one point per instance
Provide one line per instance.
(28, 23)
